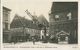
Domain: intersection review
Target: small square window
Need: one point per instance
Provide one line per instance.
(56, 16)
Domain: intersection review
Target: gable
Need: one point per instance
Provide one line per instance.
(62, 33)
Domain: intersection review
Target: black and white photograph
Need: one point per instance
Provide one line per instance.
(39, 23)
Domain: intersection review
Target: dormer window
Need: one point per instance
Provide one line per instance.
(69, 16)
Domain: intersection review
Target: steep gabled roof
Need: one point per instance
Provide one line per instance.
(19, 21)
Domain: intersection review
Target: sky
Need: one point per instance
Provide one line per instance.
(19, 6)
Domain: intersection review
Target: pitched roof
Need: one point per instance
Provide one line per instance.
(43, 20)
(62, 33)
(19, 21)
(6, 8)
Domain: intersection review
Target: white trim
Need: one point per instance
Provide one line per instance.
(63, 32)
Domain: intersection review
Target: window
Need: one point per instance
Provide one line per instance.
(6, 26)
(56, 17)
(69, 16)
(33, 22)
(6, 17)
(28, 30)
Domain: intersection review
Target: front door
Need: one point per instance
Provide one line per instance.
(63, 39)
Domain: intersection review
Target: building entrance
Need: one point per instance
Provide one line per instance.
(62, 37)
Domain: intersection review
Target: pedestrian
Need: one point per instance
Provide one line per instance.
(33, 40)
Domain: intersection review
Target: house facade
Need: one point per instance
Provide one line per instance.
(24, 29)
(6, 24)
(6, 17)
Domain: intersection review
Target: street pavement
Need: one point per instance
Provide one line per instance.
(37, 44)
(30, 45)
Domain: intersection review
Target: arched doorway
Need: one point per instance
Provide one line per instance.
(62, 37)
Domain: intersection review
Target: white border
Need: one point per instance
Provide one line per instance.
(62, 47)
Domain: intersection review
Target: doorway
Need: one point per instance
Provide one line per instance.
(62, 37)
